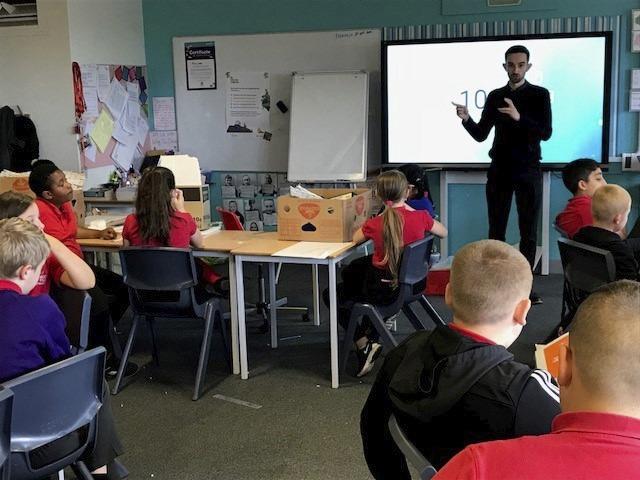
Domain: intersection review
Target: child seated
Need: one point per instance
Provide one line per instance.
(110, 297)
(582, 178)
(610, 208)
(62, 267)
(597, 435)
(375, 278)
(419, 197)
(458, 385)
(33, 335)
(161, 220)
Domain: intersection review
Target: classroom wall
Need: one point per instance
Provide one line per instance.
(105, 32)
(200, 17)
(35, 73)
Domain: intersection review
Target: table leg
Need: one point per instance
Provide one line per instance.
(333, 324)
(273, 309)
(233, 304)
(316, 296)
(242, 327)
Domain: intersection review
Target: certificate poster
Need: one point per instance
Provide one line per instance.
(200, 61)
(248, 103)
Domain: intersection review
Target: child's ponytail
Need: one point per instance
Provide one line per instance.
(392, 188)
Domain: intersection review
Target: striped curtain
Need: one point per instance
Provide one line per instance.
(504, 27)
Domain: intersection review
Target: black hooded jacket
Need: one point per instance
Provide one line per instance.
(447, 391)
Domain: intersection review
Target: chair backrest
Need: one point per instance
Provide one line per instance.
(52, 402)
(412, 455)
(560, 231)
(229, 219)
(586, 268)
(414, 265)
(76, 308)
(6, 404)
(159, 269)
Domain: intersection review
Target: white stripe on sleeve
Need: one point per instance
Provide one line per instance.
(546, 384)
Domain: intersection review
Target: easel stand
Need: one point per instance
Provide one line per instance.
(480, 178)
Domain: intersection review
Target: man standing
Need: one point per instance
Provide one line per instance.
(521, 115)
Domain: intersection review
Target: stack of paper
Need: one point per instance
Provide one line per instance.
(300, 192)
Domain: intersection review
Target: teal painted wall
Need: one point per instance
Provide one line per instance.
(165, 19)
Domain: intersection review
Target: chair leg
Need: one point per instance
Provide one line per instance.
(151, 321)
(204, 353)
(116, 348)
(378, 323)
(262, 302)
(225, 338)
(81, 471)
(347, 344)
(415, 320)
(426, 304)
(125, 355)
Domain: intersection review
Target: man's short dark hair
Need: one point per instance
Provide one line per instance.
(39, 178)
(517, 49)
(577, 170)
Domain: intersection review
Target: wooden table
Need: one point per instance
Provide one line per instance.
(261, 247)
(269, 250)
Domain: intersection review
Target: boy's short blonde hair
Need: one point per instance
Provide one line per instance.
(604, 339)
(488, 279)
(609, 201)
(21, 243)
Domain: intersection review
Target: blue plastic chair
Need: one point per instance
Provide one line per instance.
(412, 455)
(414, 268)
(53, 402)
(76, 308)
(586, 269)
(162, 283)
(6, 405)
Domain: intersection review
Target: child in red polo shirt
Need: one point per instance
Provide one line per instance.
(110, 297)
(597, 435)
(62, 267)
(582, 178)
(162, 221)
(375, 278)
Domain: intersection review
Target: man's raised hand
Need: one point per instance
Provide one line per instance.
(510, 110)
(461, 111)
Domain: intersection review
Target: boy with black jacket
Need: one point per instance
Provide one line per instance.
(458, 385)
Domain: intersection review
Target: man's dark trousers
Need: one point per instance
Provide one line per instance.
(528, 190)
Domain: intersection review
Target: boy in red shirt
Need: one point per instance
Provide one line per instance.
(110, 297)
(598, 433)
(582, 178)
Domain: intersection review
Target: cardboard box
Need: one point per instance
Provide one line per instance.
(21, 185)
(196, 202)
(328, 220)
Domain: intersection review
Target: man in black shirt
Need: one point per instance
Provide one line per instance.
(521, 115)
